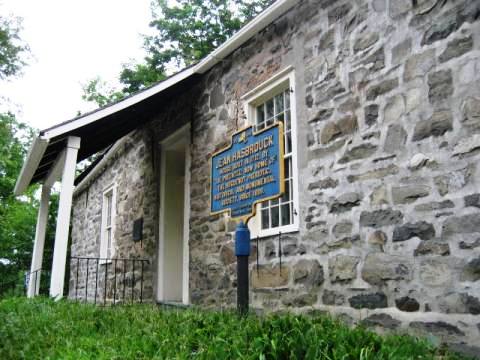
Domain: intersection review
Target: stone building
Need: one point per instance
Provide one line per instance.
(380, 223)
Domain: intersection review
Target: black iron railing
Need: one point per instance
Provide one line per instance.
(107, 281)
(36, 279)
(19, 286)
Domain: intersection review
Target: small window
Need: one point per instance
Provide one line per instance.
(108, 224)
(272, 104)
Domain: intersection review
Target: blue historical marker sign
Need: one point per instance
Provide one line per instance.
(249, 171)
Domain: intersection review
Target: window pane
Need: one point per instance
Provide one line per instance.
(288, 143)
(265, 219)
(269, 108)
(274, 202)
(291, 189)
(279, 103)
(280, 118)
(287, 168)
(109, 209)
(288, 125)
(286, 214)
(264, 204)
(275, 215)
(287, 99)
(270, 121)
(286, 194)
(109, 242)
(260, 114)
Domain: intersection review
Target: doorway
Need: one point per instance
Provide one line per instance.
(173, 269)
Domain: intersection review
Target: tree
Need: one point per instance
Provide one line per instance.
(17, 216)
(12, 48)
(185, 32)
(99, 92)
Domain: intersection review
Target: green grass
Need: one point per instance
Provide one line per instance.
(43, 329)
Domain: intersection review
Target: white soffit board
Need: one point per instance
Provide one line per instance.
(30, 165)
(132, 100)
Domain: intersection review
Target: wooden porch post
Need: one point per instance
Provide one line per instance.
(63, 218)
(37, 256)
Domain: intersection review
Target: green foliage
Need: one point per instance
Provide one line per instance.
(14, 139)
(138, 76)
(17, 216)
(43, 329)
(185, 32)
(99, 92)
(11, 47)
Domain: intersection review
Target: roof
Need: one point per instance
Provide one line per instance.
(101, 128)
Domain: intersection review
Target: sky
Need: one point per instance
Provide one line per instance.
(71, 42)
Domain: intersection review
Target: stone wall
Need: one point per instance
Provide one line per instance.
(388, 111)
(388, 116)
(131, 168)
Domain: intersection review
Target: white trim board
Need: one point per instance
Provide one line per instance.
(111, 189)
(186, 227)
(129, 101)
(34, 156)
(181, 136)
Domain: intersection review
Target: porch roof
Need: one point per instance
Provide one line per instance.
(102, 127)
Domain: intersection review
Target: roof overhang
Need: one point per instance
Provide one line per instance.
(104, 126)
(34, 156)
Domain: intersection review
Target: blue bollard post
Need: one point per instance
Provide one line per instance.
(242, 251)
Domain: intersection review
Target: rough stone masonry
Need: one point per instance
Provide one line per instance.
(388, 143)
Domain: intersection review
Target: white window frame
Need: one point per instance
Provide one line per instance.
(278, 82)
(112, 189)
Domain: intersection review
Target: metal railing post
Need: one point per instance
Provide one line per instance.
(133, 278)
(141, 284)
(105, 285)
(124, 275)
(96, 282)
(115, 282)
(86, 281)
(35, 286)
(76, 279)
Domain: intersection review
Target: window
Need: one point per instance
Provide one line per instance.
(108, 224)
(271, 103)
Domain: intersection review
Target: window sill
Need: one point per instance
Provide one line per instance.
(289, 229)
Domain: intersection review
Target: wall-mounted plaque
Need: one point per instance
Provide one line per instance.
(249, 171)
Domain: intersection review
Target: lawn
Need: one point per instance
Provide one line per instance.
(43, 329)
